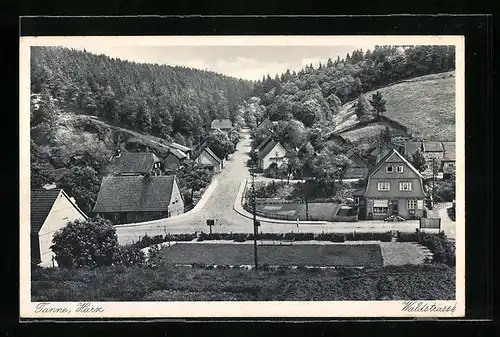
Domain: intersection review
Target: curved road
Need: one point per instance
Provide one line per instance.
(219, 205)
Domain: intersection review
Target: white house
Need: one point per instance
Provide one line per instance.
(50, 210)
(270, 153)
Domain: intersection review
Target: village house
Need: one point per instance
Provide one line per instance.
(394, 190)
(184, 149)
(265, 126)
(129, 199)
(270, 152)
(173, 160)
(223, 125)
(134, 163)
(359, 170)
(50, 210)
(204, 156)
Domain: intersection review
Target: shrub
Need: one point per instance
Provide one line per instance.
(240, 237)
(129, 256)
(443, 250)
(90, 243)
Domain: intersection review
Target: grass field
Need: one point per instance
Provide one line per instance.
(426, 105)
(169, 283)
(297, 255)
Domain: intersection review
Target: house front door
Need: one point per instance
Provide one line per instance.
(393, 207)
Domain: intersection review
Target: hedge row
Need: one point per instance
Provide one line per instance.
(147, 241)
(438, 243)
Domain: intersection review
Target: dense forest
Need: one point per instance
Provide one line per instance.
(313, 95)
(171, 102)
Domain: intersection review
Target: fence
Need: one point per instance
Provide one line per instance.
(431, 223)
(277, 216)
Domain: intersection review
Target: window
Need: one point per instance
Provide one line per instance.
(356, 201)
(411, 204)
(389, 169)
(380, 210)
(405, 186)
(399, 169)
(420, 204)
(384, 186)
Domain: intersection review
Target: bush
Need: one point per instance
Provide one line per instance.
(90, 243)
(443, 250)
(129, 256)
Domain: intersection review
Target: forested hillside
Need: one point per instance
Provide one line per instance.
(165, 101)
(314, 95)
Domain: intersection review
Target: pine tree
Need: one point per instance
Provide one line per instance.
(378, 103)
(362, 107)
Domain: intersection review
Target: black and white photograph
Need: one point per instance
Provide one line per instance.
(242, 176)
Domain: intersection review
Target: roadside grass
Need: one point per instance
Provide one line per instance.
(297, 255)
(169, 283)
(426, 105)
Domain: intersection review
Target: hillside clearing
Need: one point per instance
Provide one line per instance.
(426, 105)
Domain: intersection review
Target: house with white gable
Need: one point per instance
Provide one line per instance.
(270, 152)
(50, 210)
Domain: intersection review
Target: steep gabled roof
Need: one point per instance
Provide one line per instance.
(221, 124)
(267, 148)
(132, 162)
(263, 143)
(212, 154)
(178, 154)
(266, 123)
(179, 147)
(433, 147)
(41, 202)
(134, 194)
(386, 159)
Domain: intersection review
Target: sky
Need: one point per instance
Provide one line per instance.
(241, 61)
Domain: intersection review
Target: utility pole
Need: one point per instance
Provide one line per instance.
(433, 180)
(255, 224)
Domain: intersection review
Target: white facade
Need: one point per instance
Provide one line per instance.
(276, 155)
(207, 159)
(62, 212)
(176, 205)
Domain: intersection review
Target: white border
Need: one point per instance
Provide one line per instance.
(239, 309)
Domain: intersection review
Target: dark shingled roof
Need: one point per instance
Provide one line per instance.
(134, 194)
(267, 148)
(132, 162)
(263, 143)
(213, 155)
(221, 124)
(41, 203)
(449, 151)
(433, 147)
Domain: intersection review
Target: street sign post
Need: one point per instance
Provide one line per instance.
(210, 223)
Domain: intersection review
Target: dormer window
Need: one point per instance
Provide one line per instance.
(399, 169)
(389, 169)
